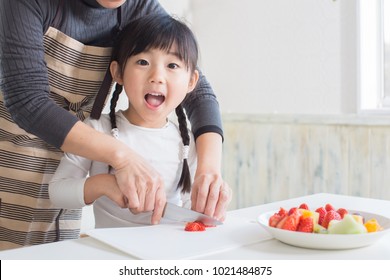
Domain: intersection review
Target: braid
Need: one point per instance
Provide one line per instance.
(185, 177)
(114, 101)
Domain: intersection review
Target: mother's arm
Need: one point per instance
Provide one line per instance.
(210, 194)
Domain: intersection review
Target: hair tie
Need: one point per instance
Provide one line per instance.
(115, 133)
(186, 150)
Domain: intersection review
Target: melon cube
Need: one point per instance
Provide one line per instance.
(348, 225)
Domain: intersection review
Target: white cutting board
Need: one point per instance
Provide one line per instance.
(171, 241)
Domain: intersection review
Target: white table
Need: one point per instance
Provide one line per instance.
(90, 249)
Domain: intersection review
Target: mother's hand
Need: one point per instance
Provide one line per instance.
(142, 186)
(211, 195)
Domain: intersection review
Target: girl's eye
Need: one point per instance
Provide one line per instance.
(173, 65)
(142, 62)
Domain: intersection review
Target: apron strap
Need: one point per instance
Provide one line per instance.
(107, 81)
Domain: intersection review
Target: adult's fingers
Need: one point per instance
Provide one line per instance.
(159, 205)
(225, 197)
(140, 191)
(200, 192)
(141, 187)
(148, 193)
(212, 198)
(128, 186)
(205, 193)
(136, 179)
(153, 192)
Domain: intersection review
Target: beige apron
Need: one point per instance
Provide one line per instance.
(27, 163)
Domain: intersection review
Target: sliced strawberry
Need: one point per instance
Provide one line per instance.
(274, 220)
(195, 226)
(303, 206)
(292, 210)
(292, 221)
(329, 216)
(329, 207)
(321, 211)
(281, 222)
(342, 212)
(282, 212)
(306, 225)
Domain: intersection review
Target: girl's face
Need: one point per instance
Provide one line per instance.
(111, 4)
(155, 82)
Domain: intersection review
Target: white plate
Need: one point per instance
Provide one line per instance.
(327, 241)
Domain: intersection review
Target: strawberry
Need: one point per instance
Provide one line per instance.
(303, 206)
(292, 221)
(306, 225)
(274, 220)
(329, 216)
(329, 207)
(282, 212)
(292, 210)
(342, 212)
(281, 222)
(195, 226)
(321, 211)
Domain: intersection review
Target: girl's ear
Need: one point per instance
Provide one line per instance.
(193, 81)
(116, 72)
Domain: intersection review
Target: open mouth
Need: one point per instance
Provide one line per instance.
(154, 99)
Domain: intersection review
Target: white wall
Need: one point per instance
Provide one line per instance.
(279, 56)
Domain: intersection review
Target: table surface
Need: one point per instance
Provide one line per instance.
(91, 249)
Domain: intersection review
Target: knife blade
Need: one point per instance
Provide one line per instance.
(176, 213)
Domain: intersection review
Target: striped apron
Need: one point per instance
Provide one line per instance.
(27, 163)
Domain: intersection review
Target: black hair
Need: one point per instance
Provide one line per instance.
(157, 32)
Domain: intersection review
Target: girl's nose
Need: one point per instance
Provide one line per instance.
(157, 75)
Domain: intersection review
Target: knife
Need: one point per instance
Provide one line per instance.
(180, 214)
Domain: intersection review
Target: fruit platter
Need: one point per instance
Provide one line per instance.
(324, 227)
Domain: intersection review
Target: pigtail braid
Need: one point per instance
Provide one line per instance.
(185, 177)
(114, 101)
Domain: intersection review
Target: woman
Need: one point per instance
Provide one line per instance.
(54, 58)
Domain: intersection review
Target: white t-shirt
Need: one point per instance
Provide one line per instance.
(160, 147)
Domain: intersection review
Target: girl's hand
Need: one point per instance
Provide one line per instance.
(103, 185)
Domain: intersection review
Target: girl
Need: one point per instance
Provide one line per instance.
(154, 62)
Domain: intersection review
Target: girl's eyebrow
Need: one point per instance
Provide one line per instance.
(168, 52)
(174, 53)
